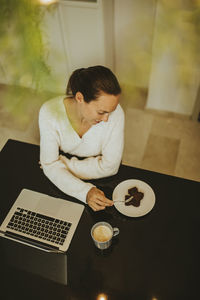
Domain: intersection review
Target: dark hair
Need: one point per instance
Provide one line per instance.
(92, 81)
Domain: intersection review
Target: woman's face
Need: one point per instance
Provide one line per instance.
(98, 110)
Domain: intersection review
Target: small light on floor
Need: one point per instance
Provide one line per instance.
(102, 297)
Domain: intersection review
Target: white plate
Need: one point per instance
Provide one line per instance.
(146, 204)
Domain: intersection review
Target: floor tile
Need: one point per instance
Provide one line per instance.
(188, 160)
(137, 129)
(161, 154)
(168, 127)
(18, 106)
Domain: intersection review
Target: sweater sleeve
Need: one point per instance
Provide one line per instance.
(52, 165)
(108, 162)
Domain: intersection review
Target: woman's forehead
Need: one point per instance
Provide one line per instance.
(106, 102)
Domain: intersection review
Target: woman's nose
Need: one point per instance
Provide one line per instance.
(105, 117)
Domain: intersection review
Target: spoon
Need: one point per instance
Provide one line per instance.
(125, 201)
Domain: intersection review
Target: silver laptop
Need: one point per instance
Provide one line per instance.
(42, 221)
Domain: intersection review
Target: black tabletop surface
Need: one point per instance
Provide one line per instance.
(155, 257)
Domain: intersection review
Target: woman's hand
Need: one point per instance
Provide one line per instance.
(97, 200)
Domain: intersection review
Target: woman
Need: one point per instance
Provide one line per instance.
(87, 123)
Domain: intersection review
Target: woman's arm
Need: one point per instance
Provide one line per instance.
(52, 166)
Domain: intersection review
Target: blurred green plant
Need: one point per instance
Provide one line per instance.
(22, 52)
(23, 55)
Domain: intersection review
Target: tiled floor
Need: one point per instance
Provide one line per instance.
(162, 142)
(156, 141)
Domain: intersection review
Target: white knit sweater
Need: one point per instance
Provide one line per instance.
(102, 144)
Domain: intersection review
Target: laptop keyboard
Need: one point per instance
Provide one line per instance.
(39, 226)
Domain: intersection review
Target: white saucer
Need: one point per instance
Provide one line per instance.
(146, 204)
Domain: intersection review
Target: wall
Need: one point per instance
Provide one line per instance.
(134, 25)
(156, 47)
(83, 34)
(175, 75)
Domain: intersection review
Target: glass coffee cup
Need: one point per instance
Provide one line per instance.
(102, 234)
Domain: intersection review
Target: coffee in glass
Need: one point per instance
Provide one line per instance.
(102, 234)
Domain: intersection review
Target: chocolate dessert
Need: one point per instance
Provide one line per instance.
(134, 197)
(127, 197)
(132, 191)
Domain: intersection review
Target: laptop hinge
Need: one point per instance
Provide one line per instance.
(32, 242)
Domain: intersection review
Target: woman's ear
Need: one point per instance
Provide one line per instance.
(79, 97)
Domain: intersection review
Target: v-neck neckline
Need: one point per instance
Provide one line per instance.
(67, 116)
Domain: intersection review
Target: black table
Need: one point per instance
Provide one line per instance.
(154, 257)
